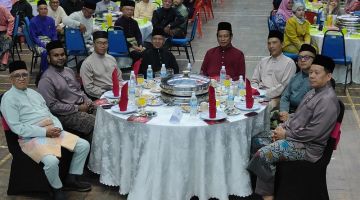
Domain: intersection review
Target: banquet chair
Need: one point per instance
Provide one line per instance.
(15, 38)
(117, 42)
(334, 47)
(27, 176)
(293, 56)
(186, 42)
(299, 180)
(31, 45)
(74, 43)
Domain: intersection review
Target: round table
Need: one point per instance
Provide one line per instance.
(161, 161)
(352, 48)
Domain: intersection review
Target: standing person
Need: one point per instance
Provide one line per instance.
(144, 9)
(6, 31)
(190, 5)
(184, 12)
(63, 95)
(42, 31)
(57, 13)
(283, 14)
(305, 134)
(105, 6)
(71, 6)
(224, 55)
(41, 134)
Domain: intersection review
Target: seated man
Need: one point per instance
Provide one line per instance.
(274, 72)
(144, 9)
(131, 29)
(6, 31)
(299, 84)
(71, 6)
(304, 136)
(57, 13)
(105, 6)
(184, 12)
(84, 21)
(63, 95)
(42, 31)
(96, 70)
(41, 135)
(168, 19)
(224, 55)
(158, 55)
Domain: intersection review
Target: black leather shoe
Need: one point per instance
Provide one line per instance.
(73, 184)
(58, 194)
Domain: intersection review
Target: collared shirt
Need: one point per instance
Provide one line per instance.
(144, 10)
(273, 74)
(131, 29)
(23, 109)
(75, 19)
(96, 74)
(58, 15)
(310, 126)
(103, 7)
(6, 21)
(232, 58)
(163, 17)
(42, 26)
(298, 86)
(61, 91)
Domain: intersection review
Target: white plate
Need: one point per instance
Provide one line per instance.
(130, 109)
(110, 95)
(157, 103)
(242, 106)
(219, 116)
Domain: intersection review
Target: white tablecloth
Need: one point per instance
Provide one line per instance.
(164, 161)
(352, 48)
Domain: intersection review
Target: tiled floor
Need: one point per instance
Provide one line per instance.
(248, 18)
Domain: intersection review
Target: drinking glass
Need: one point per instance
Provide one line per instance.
(141, 101)
(227, 81)
(140, 79)
(157, 77)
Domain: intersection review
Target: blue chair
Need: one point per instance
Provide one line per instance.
(334, 47)
(74, 43)
(31, 45)
(293, 56)
(186, 42)
(15, 38)
(117, 42)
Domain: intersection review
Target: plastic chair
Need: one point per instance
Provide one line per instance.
(300, 180)
(31, 45)
(293, 56)
(334, 47)
(117, 42)
(15, 38)
(74, 43)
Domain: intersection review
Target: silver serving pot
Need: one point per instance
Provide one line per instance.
(351, 22)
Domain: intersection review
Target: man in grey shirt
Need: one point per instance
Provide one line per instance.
(304, 136)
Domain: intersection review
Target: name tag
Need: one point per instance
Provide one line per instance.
(176, 116)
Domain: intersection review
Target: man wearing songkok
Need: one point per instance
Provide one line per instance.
(105, 6)
(274, 72)
(96, 70)
(131, 29)
(63, 95)
(169, 20)
(6, 31)
(144, 9)
(71, 6)
(224, 55)
(41, 134)
(305, 134)
(158, 55)
(83, 20)
(57, 13)
(42, 31)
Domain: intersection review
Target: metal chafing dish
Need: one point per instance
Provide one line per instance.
(178, 88)
(351, 22)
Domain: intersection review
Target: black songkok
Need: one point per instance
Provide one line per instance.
(324, 61)
(90, 5)
(54, 45)
(224, 26)
(16, 65)
(127, 3)
(158, 31)
(308, 47)
(276, 34)
(41, 2)
(100, 34)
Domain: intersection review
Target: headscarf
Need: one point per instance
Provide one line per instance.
(283, 9)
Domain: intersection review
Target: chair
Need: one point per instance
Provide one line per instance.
(117, 42)
(31, 45)
(293, 56)
(310, 16)
(334, 47)
(300, 180)
(74, 43)
(186, 42)
(15, 38)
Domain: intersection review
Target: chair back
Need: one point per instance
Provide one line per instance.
(194, 27)
(27, 22)
(334, 45)
(16, 26)
(310, 16)
(117, 42)
(74, 42)
(28, 39)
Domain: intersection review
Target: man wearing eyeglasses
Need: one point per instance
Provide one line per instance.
(63, 95)
(41, 134)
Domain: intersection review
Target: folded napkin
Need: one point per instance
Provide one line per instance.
(124, 98)
(115, 81)
(212, 102)
(248, 97)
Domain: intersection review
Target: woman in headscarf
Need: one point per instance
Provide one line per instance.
(297, 30)
(332, 8)
(283, 14)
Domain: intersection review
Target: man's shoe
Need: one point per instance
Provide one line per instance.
(2, 67)
(73, 184)
(59, 194)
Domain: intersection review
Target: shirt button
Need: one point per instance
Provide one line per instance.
(222, 57)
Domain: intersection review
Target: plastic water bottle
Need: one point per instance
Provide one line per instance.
(132, 85)
(193, 104)
(241, 86)
(230, 98)
(149, 73)
(189, 67)
(163, 71)
(222, 74)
